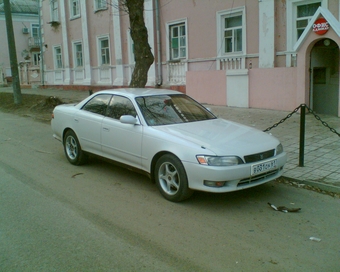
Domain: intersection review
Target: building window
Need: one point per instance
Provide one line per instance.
(104, 51)
(304, 14)
(299, 14)
(54, 11)
(231, 29)
(36, 58)
(57, 57)
(35, 34)
(319, 75)
(78, 54)
(35, 30)
(75, 9)
(131, 50)
(178, 41)
(232, 34)
(100, 4)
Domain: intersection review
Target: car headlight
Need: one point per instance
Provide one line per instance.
(279, 149)
(219, 161)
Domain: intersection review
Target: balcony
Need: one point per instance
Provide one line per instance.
(33, 43)
(231, 63)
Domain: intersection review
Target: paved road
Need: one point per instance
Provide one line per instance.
(99, 217)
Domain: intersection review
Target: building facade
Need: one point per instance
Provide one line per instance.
(246, 53)
(26, 30)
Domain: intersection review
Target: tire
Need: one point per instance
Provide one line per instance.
(171, 178)
(74, 154)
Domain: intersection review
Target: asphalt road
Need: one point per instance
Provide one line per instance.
(100, 217)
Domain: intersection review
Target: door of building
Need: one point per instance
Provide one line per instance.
(324, 94)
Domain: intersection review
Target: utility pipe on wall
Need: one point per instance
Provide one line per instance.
(42, 75)
(159, 49)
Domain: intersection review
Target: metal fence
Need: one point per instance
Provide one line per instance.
(302, 109)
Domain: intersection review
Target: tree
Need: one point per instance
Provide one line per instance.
(139, 34)
(12, 53)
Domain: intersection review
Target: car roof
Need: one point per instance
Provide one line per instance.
(136, 92)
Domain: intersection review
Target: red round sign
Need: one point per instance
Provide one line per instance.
(320, 26)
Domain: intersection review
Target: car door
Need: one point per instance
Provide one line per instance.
(121, 142)
(88, 122)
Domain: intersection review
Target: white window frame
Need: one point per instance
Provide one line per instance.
(36, 58)
(181, 48)
(57, 57)
(74, 9)
(100, 5)
(35, 34)
(75, 47)
(54, 11)
(131, 54)
(292, 17)
(100, 53)
(308, 18)
(169, 25)
(220, 17)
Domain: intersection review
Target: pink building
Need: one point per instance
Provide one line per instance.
(26, 30)
(260, 54)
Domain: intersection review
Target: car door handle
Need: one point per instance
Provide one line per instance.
(106, 129)
(76, 120)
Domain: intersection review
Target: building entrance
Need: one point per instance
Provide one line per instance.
(324, 90)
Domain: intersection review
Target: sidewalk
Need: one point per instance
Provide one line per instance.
(322, 146)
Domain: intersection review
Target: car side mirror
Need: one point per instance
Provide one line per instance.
(128, 119)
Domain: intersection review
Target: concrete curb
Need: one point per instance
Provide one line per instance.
(315, 184)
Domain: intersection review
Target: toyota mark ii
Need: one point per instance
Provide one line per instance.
(179, 143)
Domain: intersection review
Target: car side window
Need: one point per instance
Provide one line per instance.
(119, 106)
(98, 104)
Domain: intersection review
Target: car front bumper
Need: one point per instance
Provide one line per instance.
(233, 178)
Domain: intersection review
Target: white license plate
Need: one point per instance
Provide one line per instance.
(263, 167)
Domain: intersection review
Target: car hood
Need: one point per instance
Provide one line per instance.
(222, 137)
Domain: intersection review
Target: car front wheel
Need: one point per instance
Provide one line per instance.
(171, 179)
(74, 154)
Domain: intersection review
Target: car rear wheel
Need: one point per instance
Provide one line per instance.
(74, 154)
(171, 178)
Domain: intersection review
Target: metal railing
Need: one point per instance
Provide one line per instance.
(303, 108)
(176, 72)
(34, 42)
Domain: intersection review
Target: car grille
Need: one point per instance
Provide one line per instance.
(259, 156)
(258, 178)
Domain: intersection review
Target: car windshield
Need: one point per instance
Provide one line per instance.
(172, 109)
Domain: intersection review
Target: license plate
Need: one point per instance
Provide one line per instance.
(263, 167)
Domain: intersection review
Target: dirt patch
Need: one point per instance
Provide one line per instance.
(38, 107)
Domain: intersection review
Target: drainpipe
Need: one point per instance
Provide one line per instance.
(159, 49)
(42, 79)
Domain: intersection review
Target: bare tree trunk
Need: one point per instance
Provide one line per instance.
(12, 53)
(142, 51)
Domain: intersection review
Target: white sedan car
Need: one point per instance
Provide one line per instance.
(180, 144)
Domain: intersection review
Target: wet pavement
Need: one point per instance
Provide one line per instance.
(321, 157)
